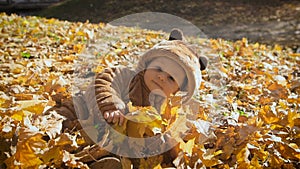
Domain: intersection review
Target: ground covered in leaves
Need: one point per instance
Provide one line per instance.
(250, 114)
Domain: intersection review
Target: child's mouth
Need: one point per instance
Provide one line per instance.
(157, 84)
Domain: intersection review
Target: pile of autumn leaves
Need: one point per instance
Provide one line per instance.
(249, 95)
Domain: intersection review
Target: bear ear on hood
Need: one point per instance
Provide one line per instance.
(203, 62)
(176, 34)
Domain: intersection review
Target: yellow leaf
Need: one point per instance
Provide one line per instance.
(218, 152)
(17, 70)
(267, 115)
(22, 96)
(126, 163)
(256, 45)
(245, 41)
(2, 101)
(223, 69)
(135, 129)
(275, 160)
(143, 120)
(18, 115)
(292, 116)
(98, 69)
(69, 58)
(36, 109)
(5, 103)
(242, 158)
(117, 133)
(80, 141)
(255, 162)
(295, 54)
(188, 146)
(78, 48)
(278, 47)
(118, 50)
(262, 154)
(208, 158)
(64, 139)
(80, 33)
(169, 110)
(25, 152)
(53, 155)
(158, 167)
(288, 152)
(264, 100)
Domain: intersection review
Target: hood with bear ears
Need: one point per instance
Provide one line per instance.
(178, 50)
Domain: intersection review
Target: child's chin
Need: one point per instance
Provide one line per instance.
(158, 92)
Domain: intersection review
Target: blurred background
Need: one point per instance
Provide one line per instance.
(268, 21)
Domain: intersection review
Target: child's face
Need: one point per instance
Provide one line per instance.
(164, 74)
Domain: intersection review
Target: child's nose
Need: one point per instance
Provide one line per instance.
(162, 76)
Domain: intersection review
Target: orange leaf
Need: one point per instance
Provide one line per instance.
(278, 91)
(25, 153)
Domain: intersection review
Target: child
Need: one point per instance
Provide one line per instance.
(167, 68)
(162, 71)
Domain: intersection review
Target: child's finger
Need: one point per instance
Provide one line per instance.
(106, 115)
(121, 120)
(110, 117)
(116, 116)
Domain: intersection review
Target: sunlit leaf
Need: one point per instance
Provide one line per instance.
(143, 120)
(52, 156)
(36, 108)
(268, 116)
(242, 158)
(18, 115)
(187, 147)
(26, 154)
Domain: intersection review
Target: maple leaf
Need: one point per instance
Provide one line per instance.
(143, 121)
(187, 147)
(33, 106)
(27, 155)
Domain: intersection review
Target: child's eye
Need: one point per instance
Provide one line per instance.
(159, 69)
(171, 78)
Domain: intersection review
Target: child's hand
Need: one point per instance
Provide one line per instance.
(114, 116)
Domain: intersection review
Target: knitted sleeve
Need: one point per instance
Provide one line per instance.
(110, 90)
